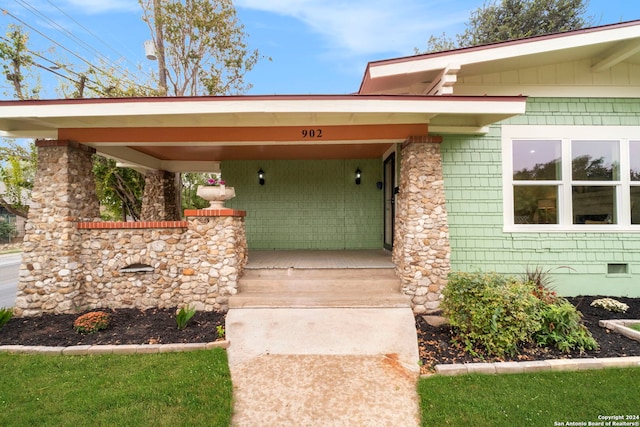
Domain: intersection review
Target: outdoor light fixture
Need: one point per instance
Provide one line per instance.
(358, 175)
(261, 176)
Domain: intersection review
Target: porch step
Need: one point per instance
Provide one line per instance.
(320, 311)
(315, 288)
(255, 332)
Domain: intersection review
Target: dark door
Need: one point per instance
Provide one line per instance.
(389, 199)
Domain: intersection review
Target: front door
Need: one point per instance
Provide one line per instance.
(389, 199)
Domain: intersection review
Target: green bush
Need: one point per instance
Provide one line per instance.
(491, 314)
(5, 316)
(183, 317)
(562, 328)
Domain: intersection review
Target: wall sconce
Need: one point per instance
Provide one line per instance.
(261, 176)
(358, 176)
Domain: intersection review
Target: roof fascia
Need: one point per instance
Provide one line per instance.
(132, 107)
(503, 50)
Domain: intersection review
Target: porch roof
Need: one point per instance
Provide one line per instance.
(189, 133)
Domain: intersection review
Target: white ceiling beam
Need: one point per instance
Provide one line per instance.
(443, 83)
(460, 130)
(126, 157)
(619, 54)
(129, 156)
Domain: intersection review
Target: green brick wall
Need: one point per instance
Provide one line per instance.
(473, 186)
(310, 204)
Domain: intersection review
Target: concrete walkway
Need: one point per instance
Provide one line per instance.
(321, 390)
(322, 338)
(323, 366)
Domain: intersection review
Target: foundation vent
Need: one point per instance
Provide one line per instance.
(617, 268)
(137, 268)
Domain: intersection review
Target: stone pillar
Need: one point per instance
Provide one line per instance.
(160, 198)
(421, 250)
(51, 278)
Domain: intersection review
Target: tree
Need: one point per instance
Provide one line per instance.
(16, 61)
(201, 47)
(498, 21)
(119, 189)
(17, 170)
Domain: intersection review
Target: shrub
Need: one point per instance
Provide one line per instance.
(91, 322)
(542, 284)
(562, 328)
(491, 313)
(5, 316)
(183, 316)
(220, 332)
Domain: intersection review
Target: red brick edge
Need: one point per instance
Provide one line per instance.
(131, 224)
(161, 224)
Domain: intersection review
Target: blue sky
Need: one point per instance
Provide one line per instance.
(316, 46)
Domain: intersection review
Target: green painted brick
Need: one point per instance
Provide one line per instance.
(305, 204)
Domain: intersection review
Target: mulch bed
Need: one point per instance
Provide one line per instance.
(128, 326)
(158, 326)
(436, 348)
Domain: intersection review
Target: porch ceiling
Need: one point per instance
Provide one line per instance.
(190, 134)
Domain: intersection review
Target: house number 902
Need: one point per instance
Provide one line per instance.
(312, 133)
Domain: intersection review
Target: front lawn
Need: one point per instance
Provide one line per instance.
(168, 389)
(537, 399)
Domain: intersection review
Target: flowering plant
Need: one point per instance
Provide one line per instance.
(214, 182)
(91, 322)
(610, 304)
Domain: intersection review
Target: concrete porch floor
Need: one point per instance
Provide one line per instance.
(369, 258)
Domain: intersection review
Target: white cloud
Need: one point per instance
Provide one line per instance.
(365, 27)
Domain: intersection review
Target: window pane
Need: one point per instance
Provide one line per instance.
(635, 205)
(595, 160)
(634, 156)
(535, 204)
(536, 160)
(594, 205)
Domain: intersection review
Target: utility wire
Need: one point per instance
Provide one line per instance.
(53, 71)
(96, 37)
(68, 50)
(54, 63)
(125, 73)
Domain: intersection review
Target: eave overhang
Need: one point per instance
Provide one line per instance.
(606, 46)
(182, 133)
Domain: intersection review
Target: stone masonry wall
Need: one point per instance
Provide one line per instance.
(72, 262)
(159, 201)
(198, 266)
(421, 250)
(63, 194)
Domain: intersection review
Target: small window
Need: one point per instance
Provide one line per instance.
(617, 268)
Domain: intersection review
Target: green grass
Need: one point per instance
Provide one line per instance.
(168, 389)
(635, 326)
(539, 399)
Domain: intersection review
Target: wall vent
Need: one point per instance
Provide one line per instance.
(617, 268)
(137, 268)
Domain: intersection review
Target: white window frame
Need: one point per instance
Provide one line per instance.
(566, 134)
